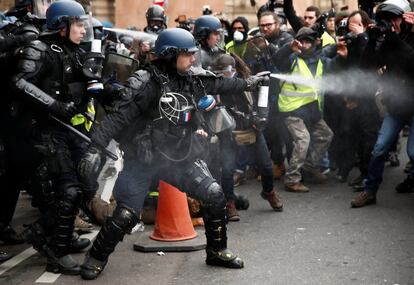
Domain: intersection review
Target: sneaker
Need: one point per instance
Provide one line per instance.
(393, 159)
(325, 170)
(407, 186)
(238, 178)
(296, 187)
(313, 175)
(274, 199)
(363, 199)
(232, 215)
(82, 226)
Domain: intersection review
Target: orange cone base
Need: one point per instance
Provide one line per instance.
(173, 221)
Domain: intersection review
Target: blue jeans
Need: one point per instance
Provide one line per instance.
(259, 154)
(390, 128)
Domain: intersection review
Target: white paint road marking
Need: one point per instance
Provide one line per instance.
(16, 259)
(49, 277)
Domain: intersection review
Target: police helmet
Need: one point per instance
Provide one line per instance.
(156, 13)
(61, 13)
(170, 42)
(392, 8)
(205, 25)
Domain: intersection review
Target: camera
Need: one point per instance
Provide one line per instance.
(381, 28)
(342, 29)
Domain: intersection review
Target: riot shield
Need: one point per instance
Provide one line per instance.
(255, 54)
(115, 34)
(119, 67)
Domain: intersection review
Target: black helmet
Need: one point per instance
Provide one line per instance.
(392, 8)
(61, 13)
(20, 8)
(172, 41)
(205, 25)
(156, 13)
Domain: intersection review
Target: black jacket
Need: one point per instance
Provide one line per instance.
(139, 107)
(397, 84)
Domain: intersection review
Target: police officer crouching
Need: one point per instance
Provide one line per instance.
(158, 126)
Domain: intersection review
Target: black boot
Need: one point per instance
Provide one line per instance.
(78, 244)
(35, 235)
(9, 236)
(217, 252)
(58, 258)
(121, 222)
(407, 186)
(5, 256)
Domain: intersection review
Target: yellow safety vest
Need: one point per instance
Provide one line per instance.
(238, 49)
(327, 39)
(79, 119)
(293, 96)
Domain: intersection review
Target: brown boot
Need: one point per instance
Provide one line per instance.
(296, 187)
(274, 200)
(232, 215)
(313, 175)
(363, 199)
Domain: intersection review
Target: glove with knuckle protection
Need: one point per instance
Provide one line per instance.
(90, 162)
(64, 110)
(254, 82)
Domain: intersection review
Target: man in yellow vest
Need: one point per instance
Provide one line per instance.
(301, 109)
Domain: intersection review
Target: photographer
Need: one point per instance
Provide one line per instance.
(390, 46)
(351, 115)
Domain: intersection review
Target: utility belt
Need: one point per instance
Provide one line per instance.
(175, 144)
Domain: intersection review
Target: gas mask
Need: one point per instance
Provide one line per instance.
(92, 67)
(217, 118)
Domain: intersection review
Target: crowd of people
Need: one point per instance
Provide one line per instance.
(293, 98)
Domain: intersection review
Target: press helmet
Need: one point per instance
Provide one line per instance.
(171, 42)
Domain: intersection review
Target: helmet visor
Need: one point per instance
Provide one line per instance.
(40, 7)
(86, 22)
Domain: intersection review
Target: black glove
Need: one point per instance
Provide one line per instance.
(90, 162)
(65, 110)
(254, 82)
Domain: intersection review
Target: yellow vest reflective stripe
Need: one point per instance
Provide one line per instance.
(327, 39)
(79, 119)
(293, 96)
(238, 49)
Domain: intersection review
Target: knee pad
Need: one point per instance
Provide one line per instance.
(215, 196)
(124, 218)
(70, 200)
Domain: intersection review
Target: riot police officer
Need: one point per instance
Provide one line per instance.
(158, 126)
(50, 78)
(156, 20)
(15, 165)
(207, 32)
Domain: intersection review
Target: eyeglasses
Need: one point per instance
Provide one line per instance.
(268, 25)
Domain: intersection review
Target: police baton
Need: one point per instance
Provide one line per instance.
(85, 138)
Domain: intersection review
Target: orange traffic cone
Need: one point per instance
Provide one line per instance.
(173, 221)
